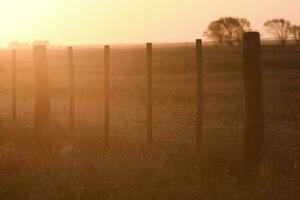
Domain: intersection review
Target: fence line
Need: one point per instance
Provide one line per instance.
(160, 125)
(149, 93)
(184, 141)
(254, 125)
(199, 122)
(42, 92)
(254, 117)
(107, 95)
(72, 90)
(14, 95)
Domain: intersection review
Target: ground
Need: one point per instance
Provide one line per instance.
(74, 164)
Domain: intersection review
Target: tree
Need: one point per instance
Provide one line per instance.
(41, 42)
(227, 29)
(295, 31)
(280, 28)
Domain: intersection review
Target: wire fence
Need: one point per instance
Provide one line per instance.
(273, 40)
(173, 94)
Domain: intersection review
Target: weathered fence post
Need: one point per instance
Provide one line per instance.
(149, 94)
(72, 94)
(14, 96)
(42, 91)
(107, 96)
(199, 124)
(254, 111)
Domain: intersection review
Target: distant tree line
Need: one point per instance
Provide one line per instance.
(230, 30)
(24, 45)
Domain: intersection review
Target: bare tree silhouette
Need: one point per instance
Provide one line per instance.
(228, 30)
(295, 31)
(280, 28)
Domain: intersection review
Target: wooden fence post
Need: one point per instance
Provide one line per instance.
(149, 94)
(72, 93)
(42, 91)
(107, 96)
(199, 124)
(254, 111)
(14, 96)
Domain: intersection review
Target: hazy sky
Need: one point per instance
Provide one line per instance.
(127, 21)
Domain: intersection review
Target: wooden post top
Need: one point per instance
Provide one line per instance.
(251, 39)
(39, 47)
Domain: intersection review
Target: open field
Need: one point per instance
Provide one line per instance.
(172, 170)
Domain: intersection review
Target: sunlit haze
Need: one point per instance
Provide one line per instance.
(129, 21)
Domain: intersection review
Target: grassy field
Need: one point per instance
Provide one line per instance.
(172, 169)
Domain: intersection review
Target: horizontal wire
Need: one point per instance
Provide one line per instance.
(118, 93)
(283, 147)
(168, 139)
(156, 125)
(164, 139)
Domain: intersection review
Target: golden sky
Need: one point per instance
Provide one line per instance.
(128, 21)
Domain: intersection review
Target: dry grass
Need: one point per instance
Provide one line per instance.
(172, 169)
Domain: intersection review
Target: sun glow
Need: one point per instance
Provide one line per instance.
(127, 21)
(89, 21)
(19, 16)
(29, 20)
